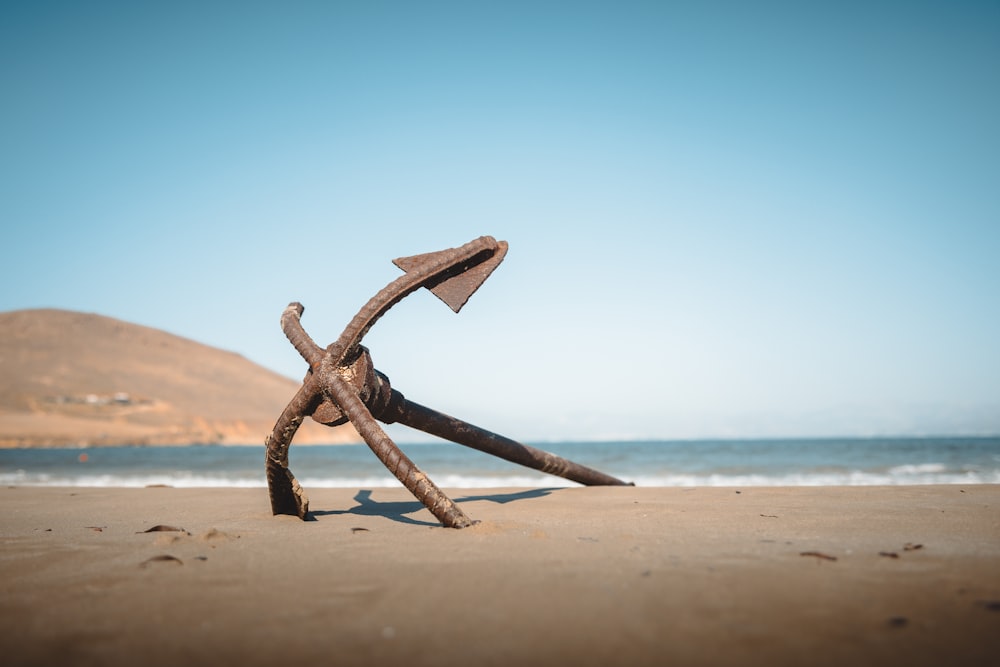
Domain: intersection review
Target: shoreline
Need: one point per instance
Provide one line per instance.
(593, 576)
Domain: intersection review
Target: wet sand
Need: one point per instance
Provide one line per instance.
(583, 576)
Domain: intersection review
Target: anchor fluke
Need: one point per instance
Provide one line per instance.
(460, 282)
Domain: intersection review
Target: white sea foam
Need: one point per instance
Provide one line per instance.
(918, 469)
(854, 478)
(188, 480)
(650, 464)
(21, 478)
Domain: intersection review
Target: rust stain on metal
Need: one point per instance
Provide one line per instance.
(343, 385)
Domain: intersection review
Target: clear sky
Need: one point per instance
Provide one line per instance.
(726, 219)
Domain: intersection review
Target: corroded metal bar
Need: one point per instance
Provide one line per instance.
(445, 426)
(291, 324)
(442, 263)
(287, 497)
(440, 505)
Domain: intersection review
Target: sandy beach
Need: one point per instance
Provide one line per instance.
(583, 576)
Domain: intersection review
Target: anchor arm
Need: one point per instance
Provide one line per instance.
(287, 497)
(398, 463)
(436, 271)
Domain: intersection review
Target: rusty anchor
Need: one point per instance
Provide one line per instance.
(342, 385)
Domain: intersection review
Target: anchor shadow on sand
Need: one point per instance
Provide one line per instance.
(399, 510)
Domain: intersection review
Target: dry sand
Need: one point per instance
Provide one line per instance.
(583, 576)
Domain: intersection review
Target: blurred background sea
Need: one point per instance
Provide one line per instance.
(784, 462)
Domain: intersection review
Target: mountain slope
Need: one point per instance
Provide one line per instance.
(69, 378)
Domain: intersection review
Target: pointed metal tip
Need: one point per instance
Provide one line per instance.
(458, 283)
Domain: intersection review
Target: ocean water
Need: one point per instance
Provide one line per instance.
(877, 461)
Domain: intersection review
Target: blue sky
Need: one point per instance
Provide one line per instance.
(725, 219)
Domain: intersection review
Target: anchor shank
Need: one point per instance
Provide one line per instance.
(444, 426)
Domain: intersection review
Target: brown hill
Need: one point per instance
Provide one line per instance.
(69, 378)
